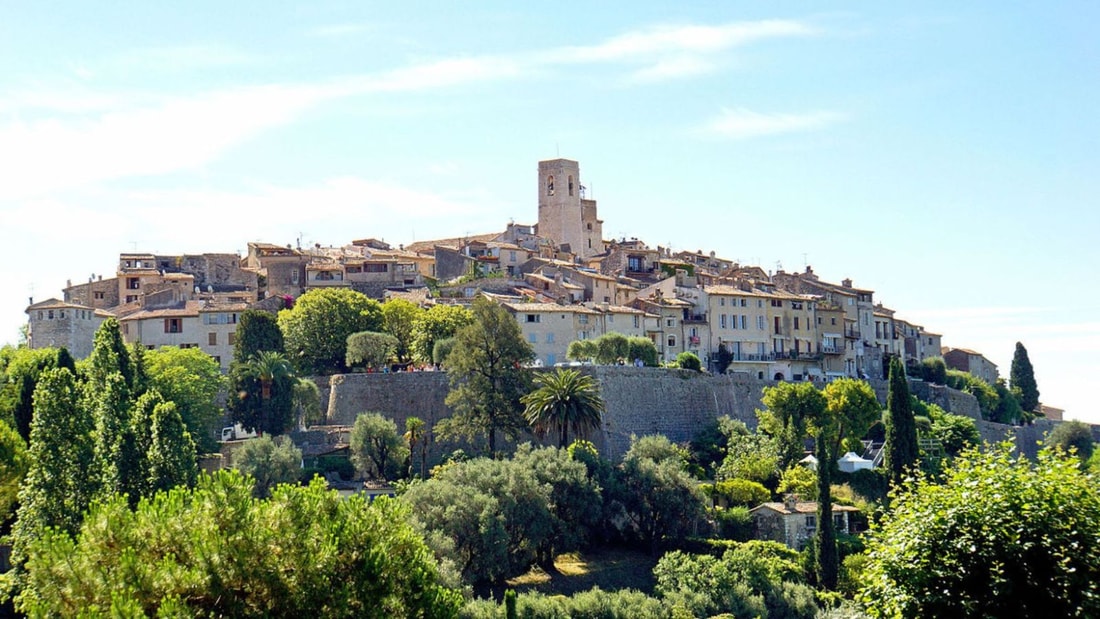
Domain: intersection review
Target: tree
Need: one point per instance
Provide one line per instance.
(564, 400)
(901, 451)
(487, 375)
(643, 348)
(109, 355)
(14, 462)
(171, 454)
(213, 551)
(689, 361)
(855, 408)
(256, 330)
(269, 462)
(955, 432)
(1007, 408)
(437, 323)
(581, 350)
(1022, 376)
(442, 349)
(307, 402)
(372, 350)
(316, 329)
(24, 368)
(789, 407)
(376, 450)
(612, 348)
(999, 536)
(1072, 435)
(416, 437)
(116, 456)
(399, 316)
(266, 400)
(58, 488)
(192, 379)
(934, 370)
(724, 359)
(660, 499)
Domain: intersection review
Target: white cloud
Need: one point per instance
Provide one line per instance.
(741, 123)
(671, 68)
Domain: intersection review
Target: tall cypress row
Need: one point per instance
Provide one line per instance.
(901, 429)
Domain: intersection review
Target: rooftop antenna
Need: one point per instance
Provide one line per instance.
(557, 151)
(805, 260)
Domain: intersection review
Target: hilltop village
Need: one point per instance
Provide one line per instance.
(560, 278)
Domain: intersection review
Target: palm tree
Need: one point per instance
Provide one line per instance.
(565, 400)
(416, 435)
(269, 367)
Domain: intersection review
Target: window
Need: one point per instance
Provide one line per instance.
(929, 341)
(583, 319)
(375, 267)
(533, 338)
(61, 313)
(294, 277)
(744, 302)
(533, 318)
(550, 185)
(133, 283)
(671, 322)
(232, 339)
(672, 341)
(722, 321)
(130, 298)
(760, 323)
(511, 255)
(611, 318)
(49, 315)
(549, 338)
(777, 303)
(744, 321)
(796, 323)
(212, 339)
(173, 325)
(189, 345)
(571, 188)
(722, 301)
(635, 321)
(834, 323)
(98, 294)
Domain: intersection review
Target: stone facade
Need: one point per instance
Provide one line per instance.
(54, 323)
(564, 215)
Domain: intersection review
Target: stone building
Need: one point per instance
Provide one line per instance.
(55, 323)
(794, 522)
(967, 360)
(565, 216)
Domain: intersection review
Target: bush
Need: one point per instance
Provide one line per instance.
(689, 361)
(735, 523)
(742, 492)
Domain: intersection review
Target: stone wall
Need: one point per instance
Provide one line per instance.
(640, 401)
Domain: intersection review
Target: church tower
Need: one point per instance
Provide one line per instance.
(565, 216)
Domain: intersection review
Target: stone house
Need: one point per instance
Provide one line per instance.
(971, 361)
(549, 328)
(280, 271)
(794, 522)
(55, 323)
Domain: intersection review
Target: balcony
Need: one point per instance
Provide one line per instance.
(754, 357)
(831, 350)
(852, 334)
(701, 318)
(797, 355)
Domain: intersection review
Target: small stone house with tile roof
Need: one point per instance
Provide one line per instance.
(793, 522)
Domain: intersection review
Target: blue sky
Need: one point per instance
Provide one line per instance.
(943, 155)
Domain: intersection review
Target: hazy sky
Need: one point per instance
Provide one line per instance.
(941, 154)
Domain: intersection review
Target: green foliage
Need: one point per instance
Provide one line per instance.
(790, 406)
(269, 462)
(109, 355)
(611, 348)
(955, 432)
(901, 430)
(376, 449)
(265, 401)
(639, 347)
(999, 537)
(307, 401)
(708, 446)
(582, 350)
(852, 408)
(494, 518)
(316, 329)
(439, 322)
(800, 480)
(735, 523)
(988, 401)
(592, 604)
(871, 483)
(724, 359)
(1007, 409)
(660, 500)
(371, 350)
(487, 376)
(442, 349)
(23, 369)
(215, 552)
(1072, 435)
(741, 492)
(171, 454)
(1022, 376)
(416, 438)
(14, 462)
(934, 370)
(751, 456)
(256, 330)
(689, 361)
(57, 489)
(754, 579)
(192, 379)
(399, 318)
(564, 400)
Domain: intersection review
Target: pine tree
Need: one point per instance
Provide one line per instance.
(901, 429)
(58, 488)
(1022, 376)
(171, 453)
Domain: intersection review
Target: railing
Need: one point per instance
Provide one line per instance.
(768, 356)
(831, 350)
(852, 333)
(695, 317)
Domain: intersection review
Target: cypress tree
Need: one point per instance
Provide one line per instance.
(1022, 376)
(825, 551)
(901, 429)
(171, 453)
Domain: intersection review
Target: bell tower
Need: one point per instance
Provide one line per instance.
(564, 215)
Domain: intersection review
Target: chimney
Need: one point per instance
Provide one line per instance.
(847, 283)
(790, 502)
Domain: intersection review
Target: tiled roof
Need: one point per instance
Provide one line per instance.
(802, 507)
